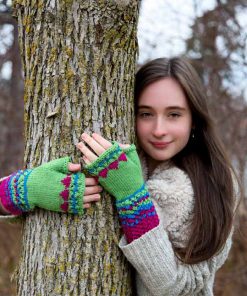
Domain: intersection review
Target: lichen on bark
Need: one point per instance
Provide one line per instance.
(79, 61)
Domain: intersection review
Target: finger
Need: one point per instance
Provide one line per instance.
(102, 141)
(87, 206)
(97, 148)
(89, 181)
(86, 151)
(74, 167)
(92, 189)
(91, 198)
(86, 159)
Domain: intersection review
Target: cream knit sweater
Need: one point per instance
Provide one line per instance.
(158, 271)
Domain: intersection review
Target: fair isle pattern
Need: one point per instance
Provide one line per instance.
(75, 199)
(50, 186)
(112, 166)
(65, 193)
(13, 192)
(70, 194)
(137, 214)
(136, 210)
(107, 161)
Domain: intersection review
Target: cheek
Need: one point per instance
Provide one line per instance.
(142, 128)
(182, 131)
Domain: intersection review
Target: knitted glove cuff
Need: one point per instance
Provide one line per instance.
(72, 195)
(137, 214)
(12, 193)
(108, 160)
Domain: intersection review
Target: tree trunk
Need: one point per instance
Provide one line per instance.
(79, 61)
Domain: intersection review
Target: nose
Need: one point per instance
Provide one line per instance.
(159, 129)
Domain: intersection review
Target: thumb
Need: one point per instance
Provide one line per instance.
(74, 167)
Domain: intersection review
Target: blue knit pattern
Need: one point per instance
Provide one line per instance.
(74, 200)
(105, 159)
(136, 207)
(18, 190)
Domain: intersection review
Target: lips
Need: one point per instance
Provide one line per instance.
(160, 144)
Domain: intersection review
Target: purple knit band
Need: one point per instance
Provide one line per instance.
(6, 201)
(145, 225)
(137, 214)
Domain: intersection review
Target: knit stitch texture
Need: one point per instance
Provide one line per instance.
(119, 172)
(49, 186)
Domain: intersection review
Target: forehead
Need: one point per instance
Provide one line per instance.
(163, 93)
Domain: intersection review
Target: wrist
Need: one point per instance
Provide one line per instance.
(137, 214)
(8, 196)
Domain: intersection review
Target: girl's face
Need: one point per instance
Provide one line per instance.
(164, 120)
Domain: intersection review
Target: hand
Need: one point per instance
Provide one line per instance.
(49, 186)
(92, 189)
(117, 166)
(119, 171)
(98, 144)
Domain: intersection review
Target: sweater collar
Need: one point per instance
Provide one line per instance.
(161, 167)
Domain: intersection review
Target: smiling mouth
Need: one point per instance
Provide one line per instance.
(160, 144)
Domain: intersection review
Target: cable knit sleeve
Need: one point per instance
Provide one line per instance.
(159, 271)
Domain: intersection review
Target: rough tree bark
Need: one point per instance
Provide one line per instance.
(79, 60)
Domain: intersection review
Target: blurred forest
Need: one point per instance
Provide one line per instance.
(218, 49)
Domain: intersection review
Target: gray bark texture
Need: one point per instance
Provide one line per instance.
(79, 62)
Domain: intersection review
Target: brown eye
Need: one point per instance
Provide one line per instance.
(174, 115)
(144, 114)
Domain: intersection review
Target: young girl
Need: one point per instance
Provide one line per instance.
(176, 206)
(178, 224)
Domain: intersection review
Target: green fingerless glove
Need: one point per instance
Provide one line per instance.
(119, 171)
(50, 186)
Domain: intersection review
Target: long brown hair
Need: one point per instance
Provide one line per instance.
(203, 159)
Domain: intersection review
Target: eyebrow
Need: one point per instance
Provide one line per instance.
(168, 108)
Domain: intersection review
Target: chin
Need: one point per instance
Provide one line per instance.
(159, 157)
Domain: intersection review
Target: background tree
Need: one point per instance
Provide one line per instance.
(218, 50)
(79, 64)
(11, 93)
(11, 139)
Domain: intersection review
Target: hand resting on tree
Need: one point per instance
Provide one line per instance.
(56, 186)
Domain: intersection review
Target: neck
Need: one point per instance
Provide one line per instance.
(152, 164)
